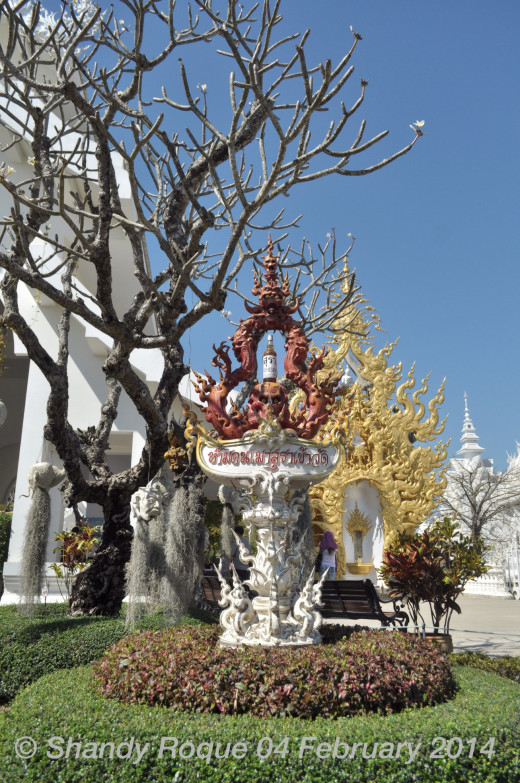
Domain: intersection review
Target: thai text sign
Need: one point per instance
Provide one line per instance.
(270, 459)
(237, 460)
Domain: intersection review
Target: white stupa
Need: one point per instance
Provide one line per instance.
(470, 441)
(471, 473)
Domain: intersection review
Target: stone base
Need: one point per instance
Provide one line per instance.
(287, 640)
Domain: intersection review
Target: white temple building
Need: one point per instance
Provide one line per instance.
(486, 502)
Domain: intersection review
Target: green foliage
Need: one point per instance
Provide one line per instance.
(433, 567)
(213, 521)
(50, 640)
(506, 666)
(88, 436)
(5, 534)
(74, 549)
(184, 668)
(67, 704)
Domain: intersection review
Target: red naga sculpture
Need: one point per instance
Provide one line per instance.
(271, 314)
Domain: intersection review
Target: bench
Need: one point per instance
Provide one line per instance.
(357, 599)
(342, 600)
(211, 592)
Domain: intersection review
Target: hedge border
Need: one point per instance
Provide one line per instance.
(66, 704)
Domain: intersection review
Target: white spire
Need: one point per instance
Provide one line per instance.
(469, 439)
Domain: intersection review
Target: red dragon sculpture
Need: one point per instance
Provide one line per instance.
(271, 314)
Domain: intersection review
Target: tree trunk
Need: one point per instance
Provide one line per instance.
(100, 589)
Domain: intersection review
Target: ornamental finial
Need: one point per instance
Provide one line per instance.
(270, 314)
(274, 292)
(271, 263)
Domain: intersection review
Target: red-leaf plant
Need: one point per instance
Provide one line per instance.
(433, 567)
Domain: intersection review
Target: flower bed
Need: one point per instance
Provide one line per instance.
(184, 668)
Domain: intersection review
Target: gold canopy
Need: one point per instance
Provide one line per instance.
(384, 424)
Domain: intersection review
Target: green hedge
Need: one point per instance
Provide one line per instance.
(5, 534)
(33, 646)
(506, 666)
(66, 705)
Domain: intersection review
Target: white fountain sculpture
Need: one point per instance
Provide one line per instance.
(267, 465)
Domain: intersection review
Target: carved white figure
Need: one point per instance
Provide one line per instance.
(305, 610)
(42, 477)
(268, 465)
(243, 552)
(146, 505)
(237, 611)
(146, 502)
(45, 476)
(225, 592)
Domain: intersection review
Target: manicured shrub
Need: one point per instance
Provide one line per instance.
(333, 632)
(32, 647)
(184, 668)
(67, 704)
(506, 666)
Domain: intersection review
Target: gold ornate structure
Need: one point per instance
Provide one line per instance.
(176, 454)
(385, 424)
(358, 522)
(357, 526)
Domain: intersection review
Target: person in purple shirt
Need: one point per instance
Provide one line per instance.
(328, 549)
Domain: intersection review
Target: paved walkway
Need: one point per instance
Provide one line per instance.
(486, 625)
(496, 621)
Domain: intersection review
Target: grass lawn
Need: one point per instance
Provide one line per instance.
(473, 737)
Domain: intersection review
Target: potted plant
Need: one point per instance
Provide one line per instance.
(433, 567)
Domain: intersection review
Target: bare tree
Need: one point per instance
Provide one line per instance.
(82, 91)
(486, 504)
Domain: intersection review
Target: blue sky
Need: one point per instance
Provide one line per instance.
(436, 250)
